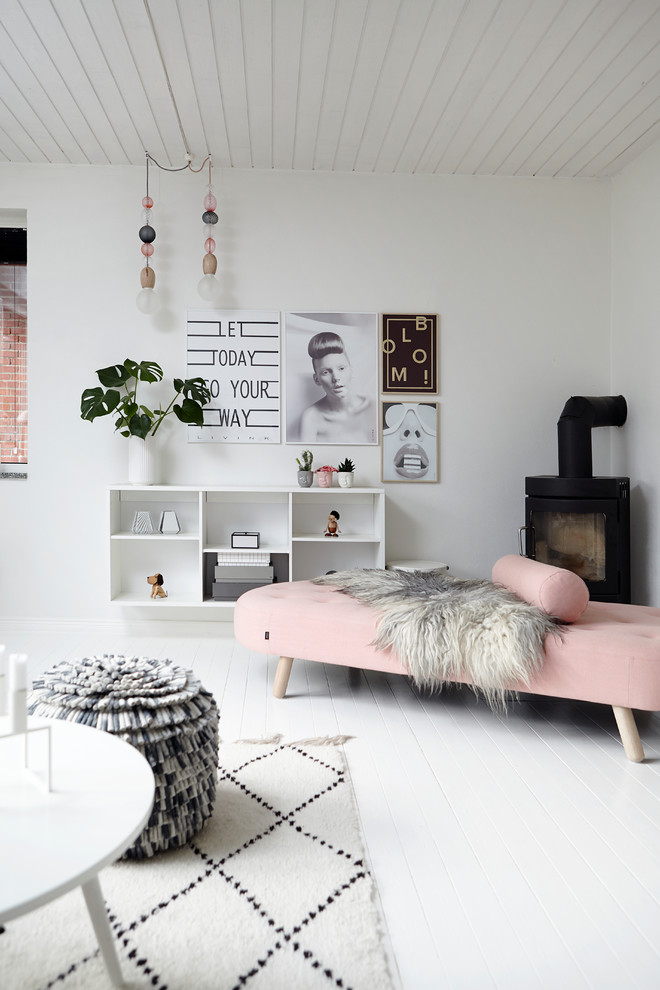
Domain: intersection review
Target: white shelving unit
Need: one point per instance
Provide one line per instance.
(290, 521)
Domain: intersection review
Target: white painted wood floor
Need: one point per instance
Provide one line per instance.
(510, 852)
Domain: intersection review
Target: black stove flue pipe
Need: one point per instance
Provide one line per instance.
(580, 414)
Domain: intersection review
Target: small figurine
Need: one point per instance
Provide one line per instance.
(332, 529)
(156, 582)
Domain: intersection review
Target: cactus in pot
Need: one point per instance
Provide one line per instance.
(305, 475)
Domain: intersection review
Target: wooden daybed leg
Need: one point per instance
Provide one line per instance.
(627, 726)
(282, 676)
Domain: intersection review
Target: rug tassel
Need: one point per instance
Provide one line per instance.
(264, 741)
(322, 741)
(316, 741)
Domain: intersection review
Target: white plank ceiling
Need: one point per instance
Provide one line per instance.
(495, 87)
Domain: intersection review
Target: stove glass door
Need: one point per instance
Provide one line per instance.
(578, 534)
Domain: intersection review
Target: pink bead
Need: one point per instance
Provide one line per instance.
(147, 250)
(210, 202)
(147, 202)
(209, 245)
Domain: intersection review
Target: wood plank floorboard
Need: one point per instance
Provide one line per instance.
(412, 940)
(517, 852)
(588, 875)
(483, 810)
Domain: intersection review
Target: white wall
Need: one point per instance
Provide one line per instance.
(636, 357)
(517, 269)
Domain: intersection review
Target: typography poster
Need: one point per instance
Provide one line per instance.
(237, 352)
(410, 353)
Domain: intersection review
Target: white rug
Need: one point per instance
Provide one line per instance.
(272, 893)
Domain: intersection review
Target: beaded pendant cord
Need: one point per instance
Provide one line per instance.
(207, 285)
(147, 301)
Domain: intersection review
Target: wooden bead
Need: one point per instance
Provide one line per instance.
(147, 278)
(209, 264)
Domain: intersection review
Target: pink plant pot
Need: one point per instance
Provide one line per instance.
(325, 479)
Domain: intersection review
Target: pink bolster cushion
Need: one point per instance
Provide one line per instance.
(558, 592)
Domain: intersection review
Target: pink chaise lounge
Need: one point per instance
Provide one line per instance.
(608, 653)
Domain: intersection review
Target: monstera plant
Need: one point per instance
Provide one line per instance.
(118, 396)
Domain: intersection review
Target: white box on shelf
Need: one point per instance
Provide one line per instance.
(245, 541)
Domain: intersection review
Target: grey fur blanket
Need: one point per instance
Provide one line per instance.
(445, 629)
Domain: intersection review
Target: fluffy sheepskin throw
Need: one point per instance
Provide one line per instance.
(445, 629)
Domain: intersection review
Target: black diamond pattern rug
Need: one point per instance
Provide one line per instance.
(273, 893)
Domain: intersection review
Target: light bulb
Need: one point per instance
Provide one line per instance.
(147, 301)
(208, 287)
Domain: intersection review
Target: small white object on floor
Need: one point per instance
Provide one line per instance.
(416, 565)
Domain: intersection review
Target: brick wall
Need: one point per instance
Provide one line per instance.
(13, 364)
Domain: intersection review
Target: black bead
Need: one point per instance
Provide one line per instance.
(147, 234)
(210, 217)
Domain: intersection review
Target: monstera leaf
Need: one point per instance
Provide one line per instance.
(120, 395)
(95, 402)
(119, 374)
(193, 388)
(189, 412)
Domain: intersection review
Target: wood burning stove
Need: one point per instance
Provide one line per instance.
(578, 521)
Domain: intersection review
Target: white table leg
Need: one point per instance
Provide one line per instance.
(97, 912)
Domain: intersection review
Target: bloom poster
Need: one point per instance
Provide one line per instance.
(410, 353)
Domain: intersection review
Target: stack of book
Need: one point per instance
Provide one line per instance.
(233, 579)
(225, 558)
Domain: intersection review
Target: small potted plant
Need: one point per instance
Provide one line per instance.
(305, 473)
(345, 472)
(324, 475)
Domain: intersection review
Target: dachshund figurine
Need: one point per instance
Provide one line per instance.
(156, 582)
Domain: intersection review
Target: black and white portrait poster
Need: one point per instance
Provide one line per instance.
(238, 353)
(331, 378)
(410, 441)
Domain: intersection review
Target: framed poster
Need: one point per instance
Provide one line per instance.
(410, 441)
(410, 353)
(331, 378)
(238, 353)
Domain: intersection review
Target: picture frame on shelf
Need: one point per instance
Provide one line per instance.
(410, 446)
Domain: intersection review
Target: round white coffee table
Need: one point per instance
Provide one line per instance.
(102, 792)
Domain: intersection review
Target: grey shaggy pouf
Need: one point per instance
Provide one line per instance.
(160, 709)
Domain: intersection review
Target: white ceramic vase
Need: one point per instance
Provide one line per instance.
(345, 479)
(142, 461)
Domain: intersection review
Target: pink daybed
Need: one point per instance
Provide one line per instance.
(608, 653)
